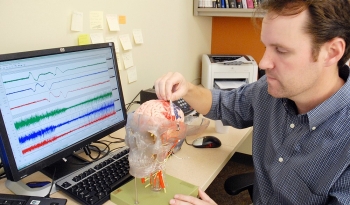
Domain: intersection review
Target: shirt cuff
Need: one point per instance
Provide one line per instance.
(212, 114)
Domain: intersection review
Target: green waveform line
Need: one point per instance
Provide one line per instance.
(54, 74)
(37, 118)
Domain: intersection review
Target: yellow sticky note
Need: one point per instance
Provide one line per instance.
(84, 39)
(113, 39)
(122, 19)
(138, 36)
(77, 21)
(125, 41)
(97, 38)
(132, 74)
(127, 59)
(113, 23)
(96, 20)
(119, 61)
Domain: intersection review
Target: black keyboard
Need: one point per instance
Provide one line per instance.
(93, 183)
(10, 199)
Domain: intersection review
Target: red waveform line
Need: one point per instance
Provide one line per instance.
(79, 89)
(29, 103)
(47, 141)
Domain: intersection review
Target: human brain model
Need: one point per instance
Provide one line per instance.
(152, 131)
(161, 109)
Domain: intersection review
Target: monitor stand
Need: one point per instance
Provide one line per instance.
(63, 168)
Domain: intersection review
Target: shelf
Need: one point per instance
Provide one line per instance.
(228, 12)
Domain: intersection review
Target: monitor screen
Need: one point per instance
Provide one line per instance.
(56, 101)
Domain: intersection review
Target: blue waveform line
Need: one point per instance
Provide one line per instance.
(52, 128)
(27, 89)
(34, 90)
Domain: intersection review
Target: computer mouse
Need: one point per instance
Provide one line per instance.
(206, 142)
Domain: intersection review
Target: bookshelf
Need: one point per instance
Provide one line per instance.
(228, 12)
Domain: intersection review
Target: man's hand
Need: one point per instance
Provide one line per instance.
(171, 86)
(185, 200)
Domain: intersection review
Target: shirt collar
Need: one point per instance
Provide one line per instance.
(330, 106)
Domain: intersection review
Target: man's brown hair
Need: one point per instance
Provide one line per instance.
(327, 19)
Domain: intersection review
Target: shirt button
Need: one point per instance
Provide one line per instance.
(280, 159)
(292, 125)
(313, 128)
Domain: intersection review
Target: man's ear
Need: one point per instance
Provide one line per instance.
(335, 49)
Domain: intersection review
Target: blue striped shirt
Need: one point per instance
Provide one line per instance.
(298, 158)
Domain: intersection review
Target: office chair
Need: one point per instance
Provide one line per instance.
(240, 182)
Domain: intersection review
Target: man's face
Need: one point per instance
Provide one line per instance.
(290, 68)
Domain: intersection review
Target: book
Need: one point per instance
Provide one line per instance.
(244, 4)
(239, 4)
(250, 4)
(223, 4)
(218, 3)
(232, 3)
(226, 3)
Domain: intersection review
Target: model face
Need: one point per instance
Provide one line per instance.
(150, 139)
(290, 69)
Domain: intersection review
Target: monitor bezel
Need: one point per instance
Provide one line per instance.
(6, 154)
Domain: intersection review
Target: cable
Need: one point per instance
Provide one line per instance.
(195, 80)
(52, 182)
(2, 176)
(96, 149)
(107, 147)
(188, 143)
(132, 101)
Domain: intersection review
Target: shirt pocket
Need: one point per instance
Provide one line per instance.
(297, 190)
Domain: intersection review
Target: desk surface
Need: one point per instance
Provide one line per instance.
(194, 165)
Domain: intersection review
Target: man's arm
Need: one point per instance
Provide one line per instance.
(174, 86)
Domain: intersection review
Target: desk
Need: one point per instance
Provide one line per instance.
(194, 165)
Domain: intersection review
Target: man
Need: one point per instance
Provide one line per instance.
(300, 109)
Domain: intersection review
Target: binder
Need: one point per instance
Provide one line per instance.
(250, 4)
(239, 4)
(232, 3)
(223, 4)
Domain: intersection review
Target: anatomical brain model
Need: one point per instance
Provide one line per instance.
(152, 132)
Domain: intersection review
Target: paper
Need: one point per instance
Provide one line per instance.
(113, 39)
(125, 41)
(122, 19)
(119, 61)
(138, 36)
(113, 22)
(97, 38)
(229, 84)
(96, 20)
(77, 21)
(84, 39)
(127, 59)
(132, 74)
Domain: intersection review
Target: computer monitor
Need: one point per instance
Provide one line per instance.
(54, 102)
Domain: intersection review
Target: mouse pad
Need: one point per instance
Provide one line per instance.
(125, 195)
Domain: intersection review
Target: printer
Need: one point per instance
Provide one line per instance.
(228, 71)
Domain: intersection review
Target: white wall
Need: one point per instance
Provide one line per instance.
(174, 39)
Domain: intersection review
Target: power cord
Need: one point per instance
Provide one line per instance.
(52, 182)
(133, 102)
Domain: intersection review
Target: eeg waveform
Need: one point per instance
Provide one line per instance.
(57, 96)
(47, 73)
(52, 128)
(68, 79)
(12, 108)
(52, 139)
(37, 118)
